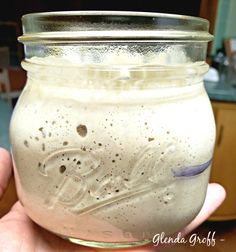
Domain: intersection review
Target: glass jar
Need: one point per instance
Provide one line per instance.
(113, 135)
(231, 70)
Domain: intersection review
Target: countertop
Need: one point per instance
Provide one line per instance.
(220, 91)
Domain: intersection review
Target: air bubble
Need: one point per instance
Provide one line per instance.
(43, 147)
(43, 133)
(62, 168)
(83, 148)
(82, 130)
(26, 143)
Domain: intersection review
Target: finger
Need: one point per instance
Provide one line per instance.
(214, 198)
(5, 170)
(17, 212)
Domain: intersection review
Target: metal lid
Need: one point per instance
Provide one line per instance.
(76, 26)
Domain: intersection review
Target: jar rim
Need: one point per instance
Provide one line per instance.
(110, 26)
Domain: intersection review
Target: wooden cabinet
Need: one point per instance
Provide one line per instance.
(9, 198)
(224, 160)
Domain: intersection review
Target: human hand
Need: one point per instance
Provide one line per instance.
(19, 234)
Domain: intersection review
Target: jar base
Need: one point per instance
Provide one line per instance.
(105, 245)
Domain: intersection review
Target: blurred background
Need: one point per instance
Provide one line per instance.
(220, 83)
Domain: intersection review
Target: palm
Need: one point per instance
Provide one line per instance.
(26, 236)
(18, 233)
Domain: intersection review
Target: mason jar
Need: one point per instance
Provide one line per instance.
(113, 134)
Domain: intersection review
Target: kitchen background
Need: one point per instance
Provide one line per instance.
(220, 84)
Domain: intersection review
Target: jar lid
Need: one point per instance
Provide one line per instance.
(110, 26)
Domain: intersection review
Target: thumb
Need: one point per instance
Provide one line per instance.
(214, 198)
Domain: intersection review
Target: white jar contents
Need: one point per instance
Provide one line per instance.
(118, 162)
